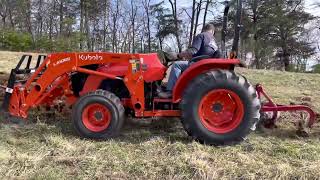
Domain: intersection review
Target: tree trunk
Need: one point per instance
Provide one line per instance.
(28, 18)
(205, 13)
(257, 58)
(4, 21)
(81, 23)
(141, 44)
(114, 34)
(40, 18)
(87, 26)
(133, 37)
(176, 24)
(161, 43)
(284, 46)
(61, 17)
(11, 19)
(114, 30)
(146, 4)
(197, 18)
(133, 17)
(105, 17)
(3, 12)
(50, 27)
(149, 33)
(192, 22)
(237, 30)
(254, 7)
(286, 59)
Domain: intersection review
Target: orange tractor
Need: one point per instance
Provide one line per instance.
(216, 105)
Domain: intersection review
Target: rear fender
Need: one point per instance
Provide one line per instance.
(199, 68)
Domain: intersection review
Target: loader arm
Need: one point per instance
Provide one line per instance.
(51, 78)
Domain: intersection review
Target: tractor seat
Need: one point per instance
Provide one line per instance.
(198, 58)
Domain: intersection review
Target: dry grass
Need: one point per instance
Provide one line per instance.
(48, 148)
(8, 60)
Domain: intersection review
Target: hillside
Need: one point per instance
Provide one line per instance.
(48, 148)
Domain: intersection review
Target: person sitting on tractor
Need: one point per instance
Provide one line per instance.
(203, 46)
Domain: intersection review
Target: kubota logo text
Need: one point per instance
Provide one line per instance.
(90, 57)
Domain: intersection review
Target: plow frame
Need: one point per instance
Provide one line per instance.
(271, 106)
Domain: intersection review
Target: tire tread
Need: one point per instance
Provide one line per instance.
(214, 76)
(113, 99)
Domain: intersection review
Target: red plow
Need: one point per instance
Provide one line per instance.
(274, 109)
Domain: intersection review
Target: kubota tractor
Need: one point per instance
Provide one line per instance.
(215, 104)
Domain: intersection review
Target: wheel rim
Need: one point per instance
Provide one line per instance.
(221, 111)
(96, 117)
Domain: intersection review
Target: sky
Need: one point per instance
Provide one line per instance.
(310, 5)
(311, 8)
(314, 10)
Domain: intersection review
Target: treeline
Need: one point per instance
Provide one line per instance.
(275, 33)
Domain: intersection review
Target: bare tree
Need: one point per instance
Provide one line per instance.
(198, 11)
(146, 5)
(82, 9)
(61, 16)
(134, 9)
(174, 10)
(115, 16)
(208, 3)
(4, 11)
(192, 22)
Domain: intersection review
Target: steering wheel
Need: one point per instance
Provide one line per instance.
(167, 58)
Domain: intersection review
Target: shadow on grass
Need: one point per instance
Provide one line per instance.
(140, 130)
(289, 132)
(134, 131)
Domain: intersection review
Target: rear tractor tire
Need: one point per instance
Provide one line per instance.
(220, 108)
(98, 115)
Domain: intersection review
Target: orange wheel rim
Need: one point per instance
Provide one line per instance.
(96, 117)
(221, 111)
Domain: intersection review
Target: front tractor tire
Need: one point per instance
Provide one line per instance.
(220, 108)
(98, 115)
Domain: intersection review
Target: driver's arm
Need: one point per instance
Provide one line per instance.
(196, 45)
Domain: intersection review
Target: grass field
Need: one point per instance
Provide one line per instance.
(48, 148)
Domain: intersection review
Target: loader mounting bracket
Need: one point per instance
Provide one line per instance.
(25, 60)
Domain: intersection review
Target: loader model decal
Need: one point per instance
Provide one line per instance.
(90, 57)
(62, 61)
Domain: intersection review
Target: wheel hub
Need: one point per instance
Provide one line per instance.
(98, 115)
(217, 107)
